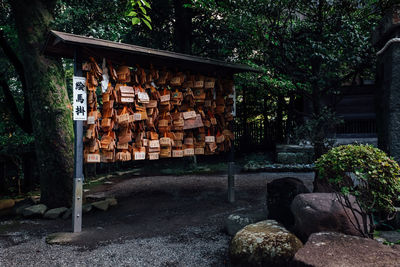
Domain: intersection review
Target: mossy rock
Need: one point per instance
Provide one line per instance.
(265, 243)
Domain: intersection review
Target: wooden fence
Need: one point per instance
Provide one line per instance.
(255, 135)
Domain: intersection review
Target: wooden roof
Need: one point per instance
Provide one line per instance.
(64, 44)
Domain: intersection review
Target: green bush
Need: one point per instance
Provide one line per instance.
(365, 172)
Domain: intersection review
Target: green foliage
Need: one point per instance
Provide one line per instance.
(317, 128)
(138, 9)
(97, 18)
(365, 172)
(306, 49)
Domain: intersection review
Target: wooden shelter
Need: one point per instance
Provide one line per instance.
(81, 48)
(63, 44)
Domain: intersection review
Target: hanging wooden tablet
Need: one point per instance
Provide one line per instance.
(193, 123)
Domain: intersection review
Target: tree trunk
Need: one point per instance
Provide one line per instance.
(183, 27)
(279, 119)
(319, 137)
(265, 141)
(316, 63)
(290, 119)
(49, 103)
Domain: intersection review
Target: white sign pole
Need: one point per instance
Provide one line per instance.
(79, 115)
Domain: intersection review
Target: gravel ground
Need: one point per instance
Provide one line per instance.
(156, 251)
(159, 221)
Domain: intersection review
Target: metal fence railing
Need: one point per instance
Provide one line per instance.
(360, 126)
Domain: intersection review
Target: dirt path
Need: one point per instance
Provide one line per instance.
(159, 221)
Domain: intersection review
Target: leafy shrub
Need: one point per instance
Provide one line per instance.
(315, 130)
(364, 172)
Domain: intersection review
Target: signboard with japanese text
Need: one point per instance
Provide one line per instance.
(79, 99)
(234, 101)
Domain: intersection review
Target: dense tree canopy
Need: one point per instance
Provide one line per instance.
(306, 49)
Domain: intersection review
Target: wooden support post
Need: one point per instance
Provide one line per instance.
(78, 160)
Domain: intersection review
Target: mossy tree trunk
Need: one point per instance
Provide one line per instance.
(48, 100)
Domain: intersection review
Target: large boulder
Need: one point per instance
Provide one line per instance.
(280, 194)
(323, 212)
(336, 249)
(265, 243)
(237, 221)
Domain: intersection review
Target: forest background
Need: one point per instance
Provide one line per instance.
(305, 49)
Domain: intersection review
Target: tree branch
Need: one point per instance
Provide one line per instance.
(19, 68)
(12, 106)
(13, 59)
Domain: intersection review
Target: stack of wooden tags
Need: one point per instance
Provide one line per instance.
(152, 114)
(91, 138)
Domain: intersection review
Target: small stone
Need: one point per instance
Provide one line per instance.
(61, 238)
(122, 173)
(67, 214)
(19, 210)
(35, 199)
(55, 213)
(112, 201)
(6, 203)
(390, 236)
(101, 205)
(35, 210)
(97, 196)
(86, 208)
(21, 205)
(380, 239)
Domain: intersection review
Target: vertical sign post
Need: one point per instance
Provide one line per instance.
(231, 157)
(79, 115)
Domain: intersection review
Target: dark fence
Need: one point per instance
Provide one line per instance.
(359, 126)
(258, 135)
(255, 135)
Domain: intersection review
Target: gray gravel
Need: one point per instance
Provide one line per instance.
(159, 221)
(157, 251)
